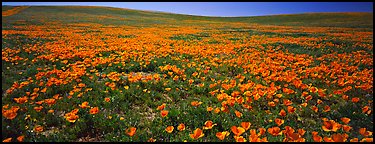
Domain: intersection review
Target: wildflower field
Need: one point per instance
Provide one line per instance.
(108, 74)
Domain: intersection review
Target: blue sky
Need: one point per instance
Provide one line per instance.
(226, 8)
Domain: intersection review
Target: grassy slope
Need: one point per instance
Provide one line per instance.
(69, 14)
(363, 20)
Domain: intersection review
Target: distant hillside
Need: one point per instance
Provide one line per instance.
(364, 20)
(116, 16)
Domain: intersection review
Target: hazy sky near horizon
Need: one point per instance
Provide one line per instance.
(225, 8)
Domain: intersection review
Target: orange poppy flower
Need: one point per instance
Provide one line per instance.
(262, 131)
(304, 94)
(164, 113)
(271, 104)
(56, 96)
(287, 102)
(81, 85)
(324, 119)
(367, 140)
(293, 137)
(21, 100)
(355, 99)
(222, 135)
(330, 125)
(327, 108)
(339, 137)
(169, 129)
(315, 108)
(220, 97)
(328, 139)
(282, 112)
(50, 101)
(38, 109)
(365, 109)
(309, 97)
(7, 140)
(238, 114)
(217, 110)
(239, 139)
(224, 109)
(345, 97)
(279, 95)
(11, 113)
(94, 110)
(161, 107)
(231, 101)
(319, 101)
(151, 140)
(345, 120)
(288, 91)
(107, 99)
(237, 130)
(239, 100)
(317, 138)
(36, 89)
(71, 117)
(301, 132)
(191, 81)
(346, 128)
(354, 140)
(208, 125)
(245, 125)
(288, 130)
(275, 131)
(131, 131)
(43, 90)
(196, 103)
(264, 139)
(39, 102)
(364, 133)
(253, 136)
(38, 128)
(84, 105)
(279, 122)
(314, 133)
(313, 89)
(235, 93)
(181, 127)
(198, 133)
(291, 109)
(209, 109)
(21, 138)
(75, 111)
(304, 104)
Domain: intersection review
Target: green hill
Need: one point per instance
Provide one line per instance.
(119, 16)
